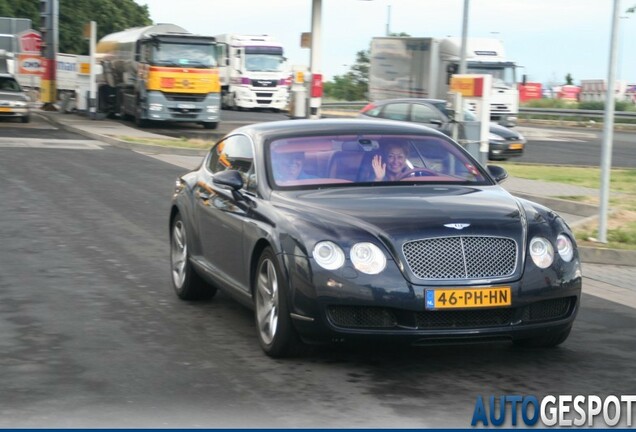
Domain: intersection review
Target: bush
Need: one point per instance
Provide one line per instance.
(600, 105)
(550, 103)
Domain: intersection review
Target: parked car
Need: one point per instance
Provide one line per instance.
(504, 143)
(291, 220)
(14, 102)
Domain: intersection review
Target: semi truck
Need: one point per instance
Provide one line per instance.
(253, 71)
(421, 67)
(160, 72)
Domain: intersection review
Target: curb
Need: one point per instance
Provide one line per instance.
(589, 255)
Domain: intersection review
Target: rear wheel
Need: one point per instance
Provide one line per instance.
(276, 333)
(545, 341)
(187, 284)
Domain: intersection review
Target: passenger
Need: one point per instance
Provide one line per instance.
(396, 157)
(289, 166)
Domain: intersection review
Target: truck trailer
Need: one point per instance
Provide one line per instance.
(253, 71)
(162, 73)
(422, 68)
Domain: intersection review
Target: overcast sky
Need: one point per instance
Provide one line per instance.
(550, 38)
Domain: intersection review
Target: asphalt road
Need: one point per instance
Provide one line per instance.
(93, 336)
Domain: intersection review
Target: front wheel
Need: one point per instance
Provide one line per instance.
(187, 284)
(210, 125)
(276, 333)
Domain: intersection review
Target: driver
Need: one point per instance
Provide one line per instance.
(394, 164)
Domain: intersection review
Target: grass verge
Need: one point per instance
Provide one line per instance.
(621, 226)
(170, 142)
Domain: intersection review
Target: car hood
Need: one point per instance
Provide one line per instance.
(504, 132)
(394, 215)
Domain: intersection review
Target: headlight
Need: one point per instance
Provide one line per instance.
(565, 248)
(542, 252)
(367, 258)
(19, 104)
(494, 137)
(212, 109)
(155, 107)
(328, 255)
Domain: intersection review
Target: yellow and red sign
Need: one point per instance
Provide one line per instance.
(468, 86)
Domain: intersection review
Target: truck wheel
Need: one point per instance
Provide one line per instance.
(210, 125)
(139, 120)
(26, 119)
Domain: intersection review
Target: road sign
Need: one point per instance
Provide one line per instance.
(30, 42)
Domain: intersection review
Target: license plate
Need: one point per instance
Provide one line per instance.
(186, 106)
(5, 109)
(516, 146)
(461, 298)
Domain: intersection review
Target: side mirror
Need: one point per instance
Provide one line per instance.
(497, 172)
(231, 179)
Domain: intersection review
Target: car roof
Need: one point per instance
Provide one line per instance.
(385, 101)
(335, 126)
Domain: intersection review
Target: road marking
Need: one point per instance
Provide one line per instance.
(55, 144)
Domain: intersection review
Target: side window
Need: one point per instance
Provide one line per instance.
(234, 153)
(397, 111)
(374, 112)
(424, 114)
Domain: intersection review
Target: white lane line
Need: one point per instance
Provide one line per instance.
(54, 144)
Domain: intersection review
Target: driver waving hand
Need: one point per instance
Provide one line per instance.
(394, 164)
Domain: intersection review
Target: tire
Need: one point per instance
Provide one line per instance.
(139, 121)
(276, 333)
(26, 119)
(210, 125)
(545, 341)
(187, 284)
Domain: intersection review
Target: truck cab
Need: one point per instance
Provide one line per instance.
(485, 56)
(253, 72)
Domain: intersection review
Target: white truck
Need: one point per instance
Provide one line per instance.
(418, 67)
(253, 72)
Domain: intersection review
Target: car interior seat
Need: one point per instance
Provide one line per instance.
(345, 164)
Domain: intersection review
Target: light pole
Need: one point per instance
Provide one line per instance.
(608, 127)
(462, 58)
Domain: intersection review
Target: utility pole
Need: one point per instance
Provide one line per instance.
(49, 12)
(388, 20)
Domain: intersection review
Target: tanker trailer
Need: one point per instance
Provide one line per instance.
(160, 73)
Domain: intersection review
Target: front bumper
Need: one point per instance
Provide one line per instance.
(189, 108)
(14, 112)
(504, 150)
(330, 308)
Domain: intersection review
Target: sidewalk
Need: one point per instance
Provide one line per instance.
(607, 274)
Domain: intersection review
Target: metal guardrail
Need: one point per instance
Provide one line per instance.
(628, 115)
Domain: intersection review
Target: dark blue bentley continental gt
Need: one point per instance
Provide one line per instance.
(337, 230)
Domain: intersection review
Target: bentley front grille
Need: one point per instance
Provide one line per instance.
(461, 257)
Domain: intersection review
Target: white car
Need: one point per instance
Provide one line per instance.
(14, 103)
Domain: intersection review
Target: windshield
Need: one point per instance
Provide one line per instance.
(6, 43)
(468, 115)
(190, 55)
(315, 162)
(9, 84)
(502, 75)
(263, 62)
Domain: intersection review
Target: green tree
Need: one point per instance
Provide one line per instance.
(354, 85)
(110, 16)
